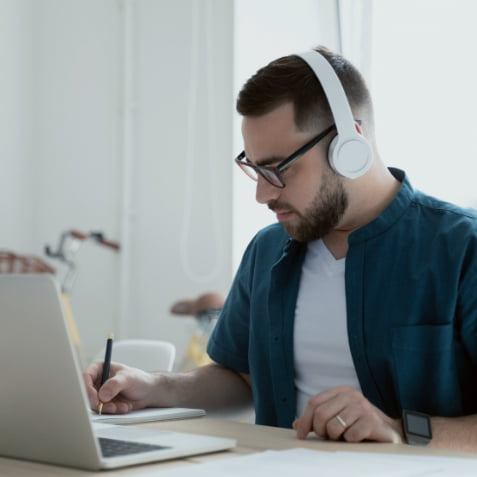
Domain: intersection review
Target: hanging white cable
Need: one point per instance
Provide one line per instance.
(191, 155)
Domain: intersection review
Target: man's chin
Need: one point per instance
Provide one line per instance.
(303, 235)
(294, 233)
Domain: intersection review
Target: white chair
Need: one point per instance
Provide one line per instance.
(149, 355)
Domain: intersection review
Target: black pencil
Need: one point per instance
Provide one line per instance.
(106, 366)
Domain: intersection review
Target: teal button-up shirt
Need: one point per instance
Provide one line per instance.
(411, 292)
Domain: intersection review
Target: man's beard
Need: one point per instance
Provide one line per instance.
(324, 213)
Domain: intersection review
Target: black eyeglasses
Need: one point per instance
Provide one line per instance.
(272, 174)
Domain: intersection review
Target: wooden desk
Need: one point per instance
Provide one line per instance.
(250, 438)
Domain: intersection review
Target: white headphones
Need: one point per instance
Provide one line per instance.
(349, 154)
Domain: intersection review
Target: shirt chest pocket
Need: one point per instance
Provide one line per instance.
(424, 364)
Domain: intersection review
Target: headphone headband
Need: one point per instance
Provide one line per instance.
(334, 91)
(350, 153)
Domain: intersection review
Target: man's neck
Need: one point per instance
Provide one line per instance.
(337, 243)
(364, 208)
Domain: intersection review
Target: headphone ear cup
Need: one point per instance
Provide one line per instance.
(331, 154)
(350, 157)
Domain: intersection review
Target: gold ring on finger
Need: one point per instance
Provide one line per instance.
(341, 421)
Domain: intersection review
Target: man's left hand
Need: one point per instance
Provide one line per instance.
(344, 413)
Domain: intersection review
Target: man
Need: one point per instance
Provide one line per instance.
(358, 304)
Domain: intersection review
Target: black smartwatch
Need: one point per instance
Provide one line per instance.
(417, 427)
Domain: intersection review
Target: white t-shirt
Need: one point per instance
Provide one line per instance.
(322, 354)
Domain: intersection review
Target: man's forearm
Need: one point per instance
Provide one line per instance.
(208, 387)
(456, 433)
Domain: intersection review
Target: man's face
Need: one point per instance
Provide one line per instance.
(314, 199)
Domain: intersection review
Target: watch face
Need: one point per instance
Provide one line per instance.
(417, 427)
(417, 424)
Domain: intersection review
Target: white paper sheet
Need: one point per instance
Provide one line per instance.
(302, 462)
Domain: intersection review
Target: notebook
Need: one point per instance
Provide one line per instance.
(148, 415)
(44, 412)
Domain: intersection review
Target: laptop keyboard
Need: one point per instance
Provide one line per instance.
(114, 447)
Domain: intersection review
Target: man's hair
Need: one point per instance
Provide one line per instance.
(290, 79)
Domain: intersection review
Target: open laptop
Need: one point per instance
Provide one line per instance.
(44, 412)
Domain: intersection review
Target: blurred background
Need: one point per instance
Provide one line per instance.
(118, 116)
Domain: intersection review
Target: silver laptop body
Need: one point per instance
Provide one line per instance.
(44, 413)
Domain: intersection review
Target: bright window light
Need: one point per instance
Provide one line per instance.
(423, 76)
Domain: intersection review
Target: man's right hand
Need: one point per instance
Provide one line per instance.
(209, 387)
(127, 388)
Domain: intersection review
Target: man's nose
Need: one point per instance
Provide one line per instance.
(265, 192)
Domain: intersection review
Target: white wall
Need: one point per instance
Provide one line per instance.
(181, 241)
(64, 155)
(423, 80)
(75, 146)
(119, 118)
(16, 161)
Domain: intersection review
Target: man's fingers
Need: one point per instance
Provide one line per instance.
(112, 387)
(340, 423)
(90, 378)
(117, 407)
(319, 410)
(125, 390)
(359, 423)
(343, 412)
